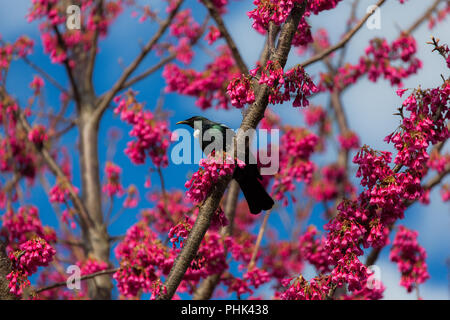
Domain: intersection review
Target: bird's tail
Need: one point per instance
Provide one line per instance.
(255, 194)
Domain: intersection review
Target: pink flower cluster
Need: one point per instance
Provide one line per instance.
(256, 277)
(38, 134)
(91, 265)
(112, 186)
(132, 199)
(173, 206)
(328, 186)
(23, 225)
(152, 134)
(178, 233)
(37, 84)
(379, 61)
(302, 36)
(207, 86)
(184, 25)
(301, 289)
(438, 161)
(295, 81)
(349, 140)
(314, 115)
(240, 92)
(266, 11)
(143, 259)
(22, 47)
(410, 258)
(313, 250)
(316, 6)
(282, 85)
(298, 145)
(366, 220)
(210, 170)
(17, 154)
(31, 255)
(186, 29)
(277, 11)
(54, 16)
(60, 192)
(371, 290)
(212, 35)
(67, 217)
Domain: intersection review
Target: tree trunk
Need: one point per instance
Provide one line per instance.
(5, 269)
(96, 238)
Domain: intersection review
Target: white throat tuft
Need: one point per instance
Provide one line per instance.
(196, 133)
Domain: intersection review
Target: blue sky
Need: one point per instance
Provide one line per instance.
(369, 106)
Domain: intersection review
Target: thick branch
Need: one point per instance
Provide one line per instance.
(206, 288)
(5, 269)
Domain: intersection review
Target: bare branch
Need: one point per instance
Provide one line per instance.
(224, 33)
(107, 98)
(88, 276)
(344, 40)
(61, 43)
(93, 51)
(56, 170)
(422, 19)
(262, 229)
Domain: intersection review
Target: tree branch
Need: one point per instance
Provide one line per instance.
(88, 276)
(224, 33)
(206, 288)
(61, 43)
(5, 269)
(422, 19)
(262, 229)
(344, 40)
(56, 170)
(107, 98)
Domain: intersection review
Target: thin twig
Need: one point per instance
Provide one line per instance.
(107, 98)
(262, 229)
(344, 40)
(224, 33)
(85, 277)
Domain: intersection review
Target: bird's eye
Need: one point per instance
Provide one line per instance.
(196, 133)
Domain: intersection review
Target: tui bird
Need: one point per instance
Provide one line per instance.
(248, 176)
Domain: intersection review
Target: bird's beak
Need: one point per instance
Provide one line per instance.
(182, 122)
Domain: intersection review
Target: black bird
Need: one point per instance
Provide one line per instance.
(248, 177)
